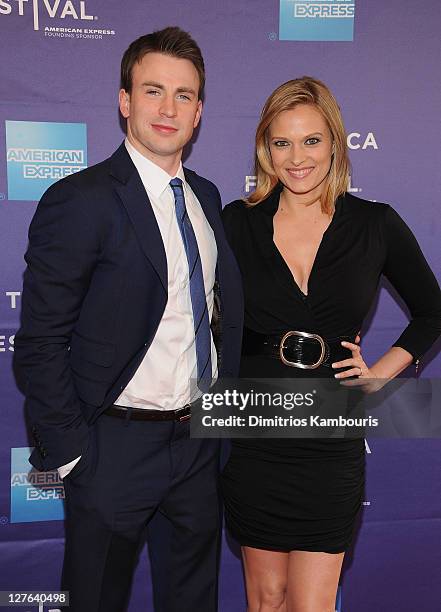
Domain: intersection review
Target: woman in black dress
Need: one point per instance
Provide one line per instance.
(311, 256)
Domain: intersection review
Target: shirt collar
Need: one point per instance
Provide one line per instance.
(154, 178)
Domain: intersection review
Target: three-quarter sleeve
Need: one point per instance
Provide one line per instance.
(408, 271)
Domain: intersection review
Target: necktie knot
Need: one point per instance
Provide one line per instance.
(178, 193)
(176, 185)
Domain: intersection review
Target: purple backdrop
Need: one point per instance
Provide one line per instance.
(386, 83)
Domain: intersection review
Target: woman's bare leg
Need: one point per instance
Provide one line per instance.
(266, 574)
(312, 581)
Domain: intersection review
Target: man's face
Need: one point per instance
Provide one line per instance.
(162, 109)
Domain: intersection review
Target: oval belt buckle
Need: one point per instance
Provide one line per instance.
(294, 364)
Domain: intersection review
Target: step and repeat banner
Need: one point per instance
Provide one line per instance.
(59, 84)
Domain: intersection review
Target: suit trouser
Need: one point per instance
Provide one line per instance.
(130, 471)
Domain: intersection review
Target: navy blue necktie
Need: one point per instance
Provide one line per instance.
(197, 289)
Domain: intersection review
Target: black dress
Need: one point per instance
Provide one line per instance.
(297, 494)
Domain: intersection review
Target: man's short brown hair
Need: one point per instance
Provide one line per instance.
(171, 41)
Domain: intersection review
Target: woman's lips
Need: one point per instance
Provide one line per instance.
(164, 129)
(299, 173)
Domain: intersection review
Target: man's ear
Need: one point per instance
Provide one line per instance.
(124, 103)
(198, 114)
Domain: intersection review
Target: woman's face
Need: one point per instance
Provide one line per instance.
(300, 144)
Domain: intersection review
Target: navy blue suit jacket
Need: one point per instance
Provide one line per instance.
(95, 289)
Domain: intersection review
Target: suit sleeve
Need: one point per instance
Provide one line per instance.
(217, 198)
(410, 274)
(232, 216)
(64, 246)
(232, 324)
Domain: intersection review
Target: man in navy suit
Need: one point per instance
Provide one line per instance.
(128, 266)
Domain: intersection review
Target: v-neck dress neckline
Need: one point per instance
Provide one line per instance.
(269, 207)
(323, 240)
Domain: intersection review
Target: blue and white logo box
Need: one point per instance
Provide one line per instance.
(41, 153)
(316, 20)
(35, 496)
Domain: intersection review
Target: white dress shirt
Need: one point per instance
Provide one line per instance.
(165, 379)
(162, 381)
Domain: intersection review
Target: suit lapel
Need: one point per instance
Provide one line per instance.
(131, 191)
(135, 200)
(213, 217)
(209, 207)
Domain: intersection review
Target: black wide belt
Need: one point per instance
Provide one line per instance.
(297, 349)
(145, 414)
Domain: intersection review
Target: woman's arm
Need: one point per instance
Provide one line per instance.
(408, 271)
(394, 361)
(410, 274)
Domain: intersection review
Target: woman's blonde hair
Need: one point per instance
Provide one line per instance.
(305, 90)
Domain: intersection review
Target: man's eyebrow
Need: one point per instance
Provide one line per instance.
(152, 84)
(183, 89)
(189, 90)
